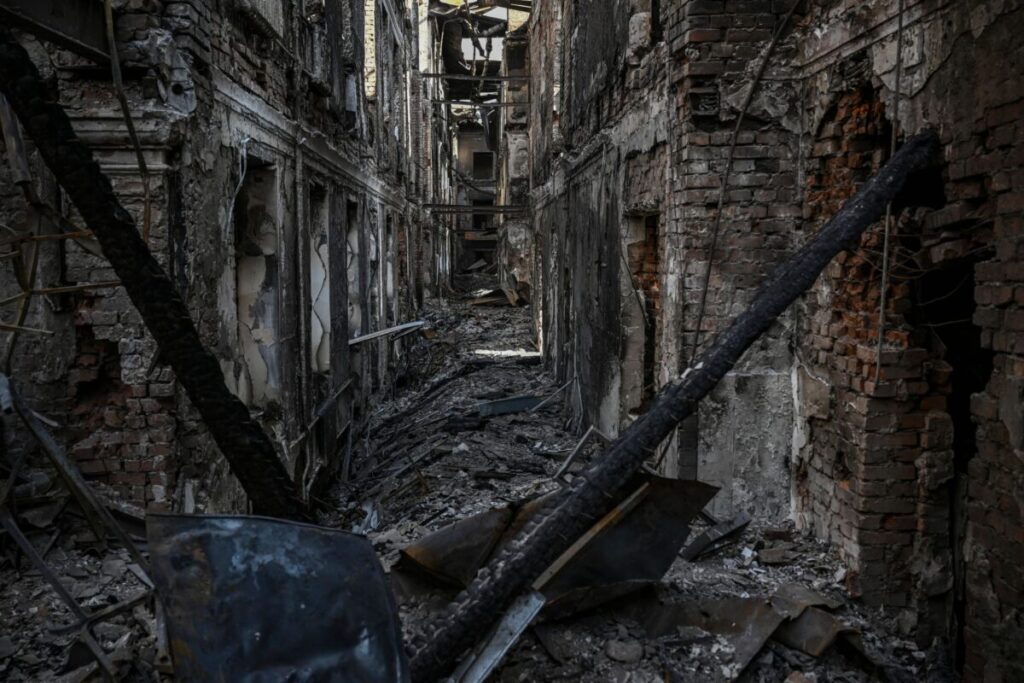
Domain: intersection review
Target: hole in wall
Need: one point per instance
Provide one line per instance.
(643, 258)
(923, 188)
(944, 309)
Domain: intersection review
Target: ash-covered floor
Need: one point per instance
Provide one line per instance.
(423, 466)
(426, 463)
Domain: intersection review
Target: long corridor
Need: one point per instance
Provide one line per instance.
(405, 341)
(434, 476)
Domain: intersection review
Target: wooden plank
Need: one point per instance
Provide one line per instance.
(465, 208)
(464, 103)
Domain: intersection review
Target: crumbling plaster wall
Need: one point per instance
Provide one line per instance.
(741, 437)
(581, 207)
(320, 149)
(98, 375)
(220, 96)
(912, 499)
(875, 453)
(616, 112)
(876, 463)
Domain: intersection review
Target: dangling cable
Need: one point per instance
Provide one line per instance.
(888, 207)
(725, 176)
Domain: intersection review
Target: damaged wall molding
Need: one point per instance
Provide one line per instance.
(241, 86)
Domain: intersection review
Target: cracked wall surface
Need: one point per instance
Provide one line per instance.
(268, 163)
(904, 461)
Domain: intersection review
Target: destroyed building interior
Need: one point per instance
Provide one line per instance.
(512, 340)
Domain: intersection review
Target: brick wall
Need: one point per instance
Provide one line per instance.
(858, 483)
(911, 471)
(211, 87)
(910, 463)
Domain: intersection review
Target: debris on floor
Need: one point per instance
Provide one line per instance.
(83, 607)
(449, 471)
(106, 585)
(758, 601)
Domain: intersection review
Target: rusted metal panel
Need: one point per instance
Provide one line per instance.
(634, 543)
(454, 553)
(640, 546)
(256, 599)
(715, 537)
(77, 25)
(812, 632)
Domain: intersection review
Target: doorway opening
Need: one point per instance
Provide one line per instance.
(944, 309)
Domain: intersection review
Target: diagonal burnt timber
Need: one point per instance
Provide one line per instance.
(570, 513)
(244, 444)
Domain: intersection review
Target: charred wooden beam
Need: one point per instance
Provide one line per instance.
(468, 103)
(480, 210)
(568, 515)
(470, 77)
(246, 447)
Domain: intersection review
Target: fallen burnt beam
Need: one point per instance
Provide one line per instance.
(485, 77)
(569, 514)
(465, 208)
(246, 447)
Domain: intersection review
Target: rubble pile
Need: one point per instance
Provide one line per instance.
(40, 639)
(434, 461)
(447, 471)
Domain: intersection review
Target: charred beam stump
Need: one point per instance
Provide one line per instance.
(577, 507)
(244, 444)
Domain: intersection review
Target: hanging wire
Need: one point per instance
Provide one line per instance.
(888, 207)
(716, 229)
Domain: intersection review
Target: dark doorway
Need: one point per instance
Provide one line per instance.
(945, 307)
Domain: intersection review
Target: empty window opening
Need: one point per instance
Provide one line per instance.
(352, 268)
(483, 165)
(350, 115)
(319, 281)
(257, 214)
(657, 31)
(644, 269)
(515, 58)
(483, 221)
(375, 283)
(390, 303)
